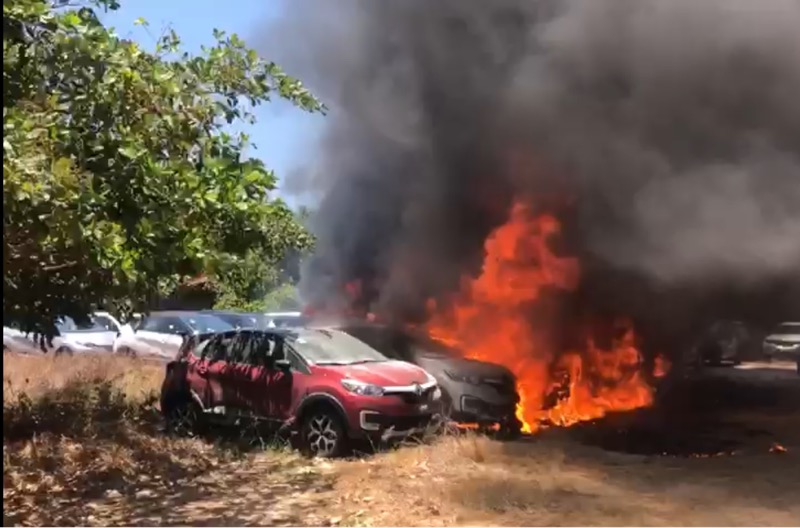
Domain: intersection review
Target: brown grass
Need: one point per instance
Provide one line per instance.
(81, 446)
(77, 428)
(476, 481)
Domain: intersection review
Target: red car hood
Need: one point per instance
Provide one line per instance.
(385, 373)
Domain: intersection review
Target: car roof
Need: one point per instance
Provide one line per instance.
(177, 313)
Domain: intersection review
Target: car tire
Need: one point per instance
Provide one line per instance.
(510, 430)
(126, 351)
(63, 351)
(322, 434)
(184, 417)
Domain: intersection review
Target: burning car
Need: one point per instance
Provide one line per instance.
(724, 341)
(783, 342)
(474, 392)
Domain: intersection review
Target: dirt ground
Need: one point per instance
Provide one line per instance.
(720, 433)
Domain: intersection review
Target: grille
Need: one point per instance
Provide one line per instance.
(412, 399)
(480, 407)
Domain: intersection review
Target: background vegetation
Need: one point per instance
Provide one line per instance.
(121, 175)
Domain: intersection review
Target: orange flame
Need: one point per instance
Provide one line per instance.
(487, 320)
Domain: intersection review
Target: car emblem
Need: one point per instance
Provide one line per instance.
(417, 389)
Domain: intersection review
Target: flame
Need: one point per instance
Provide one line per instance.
(778, 449)
(488, 320)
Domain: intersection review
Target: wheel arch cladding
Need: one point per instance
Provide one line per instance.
(319, 401)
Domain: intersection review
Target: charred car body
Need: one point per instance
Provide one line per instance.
(324, 385)
(723, 342)
(473, 392)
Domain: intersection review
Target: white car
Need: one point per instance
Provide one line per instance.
(161, 334)
(96, 336)
(783, 343)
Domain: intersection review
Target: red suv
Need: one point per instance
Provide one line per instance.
(324, 384)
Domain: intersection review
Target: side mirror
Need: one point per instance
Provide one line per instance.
(282, 364)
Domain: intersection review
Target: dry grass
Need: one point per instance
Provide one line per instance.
(77, 428)
(81, 447)
(476, 481)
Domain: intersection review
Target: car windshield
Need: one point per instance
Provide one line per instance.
(203, 323)
(788, 328)
(332, 347)
(432, 347)
(68, 324)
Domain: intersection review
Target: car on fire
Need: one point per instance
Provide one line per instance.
(325, 387)
(723, 342)
(783, 342)
(97, 334)
(473, 392)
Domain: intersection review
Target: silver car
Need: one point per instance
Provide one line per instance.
(783, 343)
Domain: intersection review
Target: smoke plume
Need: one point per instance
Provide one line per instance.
(667, 134)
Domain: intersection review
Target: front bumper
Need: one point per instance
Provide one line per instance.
(394, 415)
(481, 403)
(477, 410)
(788, 352)
(386, 428)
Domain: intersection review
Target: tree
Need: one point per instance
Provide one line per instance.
(120, 174)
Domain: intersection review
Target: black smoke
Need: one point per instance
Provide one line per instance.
(670, 129)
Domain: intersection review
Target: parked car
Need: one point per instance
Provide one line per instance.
(286, 319)
(133, 322)
(723, 342)
(96, 335)
(475, 392)
(783, 342)
(240, 320)
(161, 334)
(324, 385)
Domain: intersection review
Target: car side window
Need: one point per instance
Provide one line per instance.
(215, 349)
(200, 350)
(150, 324)
(239, 347)
(173, 326)
(106, 323)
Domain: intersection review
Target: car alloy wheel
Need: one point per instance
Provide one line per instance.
(183, 418)
(323, 435)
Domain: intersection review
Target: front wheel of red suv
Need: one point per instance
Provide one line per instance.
(323, 434)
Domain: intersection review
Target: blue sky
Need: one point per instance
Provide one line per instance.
(283, 133)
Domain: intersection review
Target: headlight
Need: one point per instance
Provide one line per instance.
(437, 393)
(455, 376)
(364, 389)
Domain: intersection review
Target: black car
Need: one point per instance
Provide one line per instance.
(474, 392)
(723, 342)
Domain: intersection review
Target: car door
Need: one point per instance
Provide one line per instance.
(147, 336)
(207, 370)
(260, 387)
(173, 331)
(275, 383)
